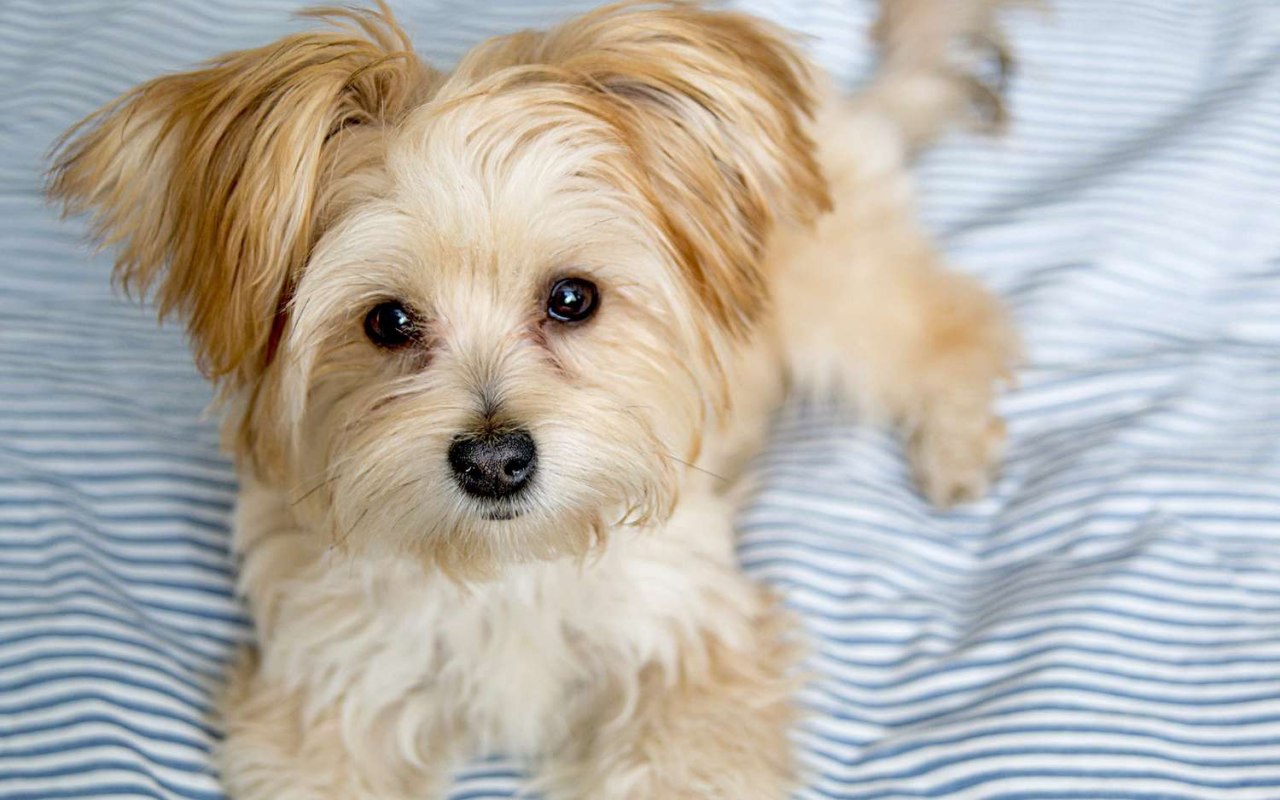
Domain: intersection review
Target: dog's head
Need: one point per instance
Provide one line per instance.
(477, 317)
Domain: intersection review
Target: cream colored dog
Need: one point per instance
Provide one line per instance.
(491, 344)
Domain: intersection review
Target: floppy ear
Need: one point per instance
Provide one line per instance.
(220, 174)
(714, 104)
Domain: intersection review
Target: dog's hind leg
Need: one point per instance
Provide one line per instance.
(864, 303)
(931, 72)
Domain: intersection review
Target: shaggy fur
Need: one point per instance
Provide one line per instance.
(749, 230)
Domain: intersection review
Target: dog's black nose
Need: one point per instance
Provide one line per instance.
(493, 465)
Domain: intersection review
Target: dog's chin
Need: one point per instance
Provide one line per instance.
(503, 510)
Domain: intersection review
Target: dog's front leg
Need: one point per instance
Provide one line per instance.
(713, 727)
(277, 747)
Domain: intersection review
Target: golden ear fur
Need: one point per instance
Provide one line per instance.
(211, 183)
(217, 174)
(714, 104)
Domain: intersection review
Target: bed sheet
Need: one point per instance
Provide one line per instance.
(1105, 625)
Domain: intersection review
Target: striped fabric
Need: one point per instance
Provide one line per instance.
(1106, 625)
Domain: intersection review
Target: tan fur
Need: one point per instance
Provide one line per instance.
(209, 180)
(712, 106)
(750, 231)
(891, 327)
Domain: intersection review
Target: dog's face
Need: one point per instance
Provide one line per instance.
(476, 318)
(489, 357)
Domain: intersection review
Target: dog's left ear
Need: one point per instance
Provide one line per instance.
(714, 105)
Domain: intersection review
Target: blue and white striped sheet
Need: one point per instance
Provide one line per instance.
(1105, 625)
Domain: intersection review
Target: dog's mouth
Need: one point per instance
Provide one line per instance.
(499, 510)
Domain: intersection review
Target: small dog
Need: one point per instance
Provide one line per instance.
(485, 340)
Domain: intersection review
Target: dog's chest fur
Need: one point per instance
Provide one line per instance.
(513, 662)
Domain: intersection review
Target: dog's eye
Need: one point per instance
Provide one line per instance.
(390, 325)
(572, 300)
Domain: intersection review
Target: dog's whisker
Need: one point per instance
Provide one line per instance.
(332, 473)
(305, 495)
(342, 540)
(697, 468)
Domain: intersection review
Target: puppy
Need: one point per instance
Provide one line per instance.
(490, 342)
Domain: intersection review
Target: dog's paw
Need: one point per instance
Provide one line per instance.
(954, 455)
(957, 40)
(988, 79)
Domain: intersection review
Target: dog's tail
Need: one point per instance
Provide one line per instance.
(941, 62)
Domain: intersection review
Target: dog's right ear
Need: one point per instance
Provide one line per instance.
(715, 106)
(212, 183)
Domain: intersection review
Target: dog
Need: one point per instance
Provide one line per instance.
(493, 346)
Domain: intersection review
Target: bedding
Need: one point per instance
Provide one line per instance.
(1105, 625)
